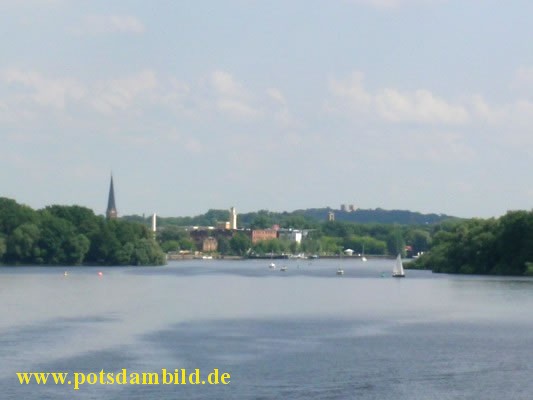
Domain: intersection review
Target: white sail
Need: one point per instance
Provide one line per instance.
(398, 267)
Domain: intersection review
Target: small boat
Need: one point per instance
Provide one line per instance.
(272, 266)
(340, 271)
(283, 268)
(398, 271)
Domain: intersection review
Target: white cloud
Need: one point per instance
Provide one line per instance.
(225, 85)
(102, 24)
(47, 92)
(512, 119)
(280, 110)
(237, 108)
(231, 97)
(441, 147)
(26, 94)
(524, 77)
(392, 105)
(120, 94)
(484, 112)
(418, 106)
(177, 96)
(276, 95)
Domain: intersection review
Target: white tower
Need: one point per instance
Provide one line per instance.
(154, 223)
(232, 218)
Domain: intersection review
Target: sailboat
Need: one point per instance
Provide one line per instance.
(272, 265)
(398, 272)
(363, 258)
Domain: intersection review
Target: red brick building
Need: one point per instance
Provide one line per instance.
(257, 235)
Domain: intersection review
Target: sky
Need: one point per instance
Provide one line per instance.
(422, 105)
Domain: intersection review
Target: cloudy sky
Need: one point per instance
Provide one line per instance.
(424, 105)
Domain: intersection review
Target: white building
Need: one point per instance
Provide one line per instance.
(291, 235)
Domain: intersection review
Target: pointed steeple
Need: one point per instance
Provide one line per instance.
(111, 212)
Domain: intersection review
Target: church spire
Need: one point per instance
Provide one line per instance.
(111, 212)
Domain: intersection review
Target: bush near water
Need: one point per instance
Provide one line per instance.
(72, 235)
(502, 246)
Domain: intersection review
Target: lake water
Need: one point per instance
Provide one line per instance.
(305, 333)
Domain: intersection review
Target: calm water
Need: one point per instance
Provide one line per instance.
(301, 334)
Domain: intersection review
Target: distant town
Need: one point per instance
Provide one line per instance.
(311, 232)
(75, 235)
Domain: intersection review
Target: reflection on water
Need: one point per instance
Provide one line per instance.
(303, 333)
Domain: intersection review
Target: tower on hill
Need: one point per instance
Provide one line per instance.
(111, 212)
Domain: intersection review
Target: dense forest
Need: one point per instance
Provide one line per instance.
(502, 246)
(72, 235)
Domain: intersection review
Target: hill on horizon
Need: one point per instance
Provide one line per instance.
(304, 217)
(377, 215)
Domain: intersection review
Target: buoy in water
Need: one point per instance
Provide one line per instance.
(65, 273)
(100, 273)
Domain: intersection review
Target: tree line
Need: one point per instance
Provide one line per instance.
(72, 235)
(308, 218)
(502, 246)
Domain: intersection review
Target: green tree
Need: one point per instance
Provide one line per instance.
(419, 240)
(12, 215)
(331, 245)
(170, 245)
(515, 242)
(187, 244)
(2, 247)
(240, 244)
(147, 252)
(294, 247)
(22, 246)
(213, 217)
(262, 221)
(271, 246)
(311, 246)
(395, 243)
(223, 245)
(104, 244)
(172, 233)
(76, 248)
(76, 215)
(125, 254)
(56, 234)
(503, 246)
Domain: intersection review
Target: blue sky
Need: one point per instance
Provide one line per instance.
(424, 105)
